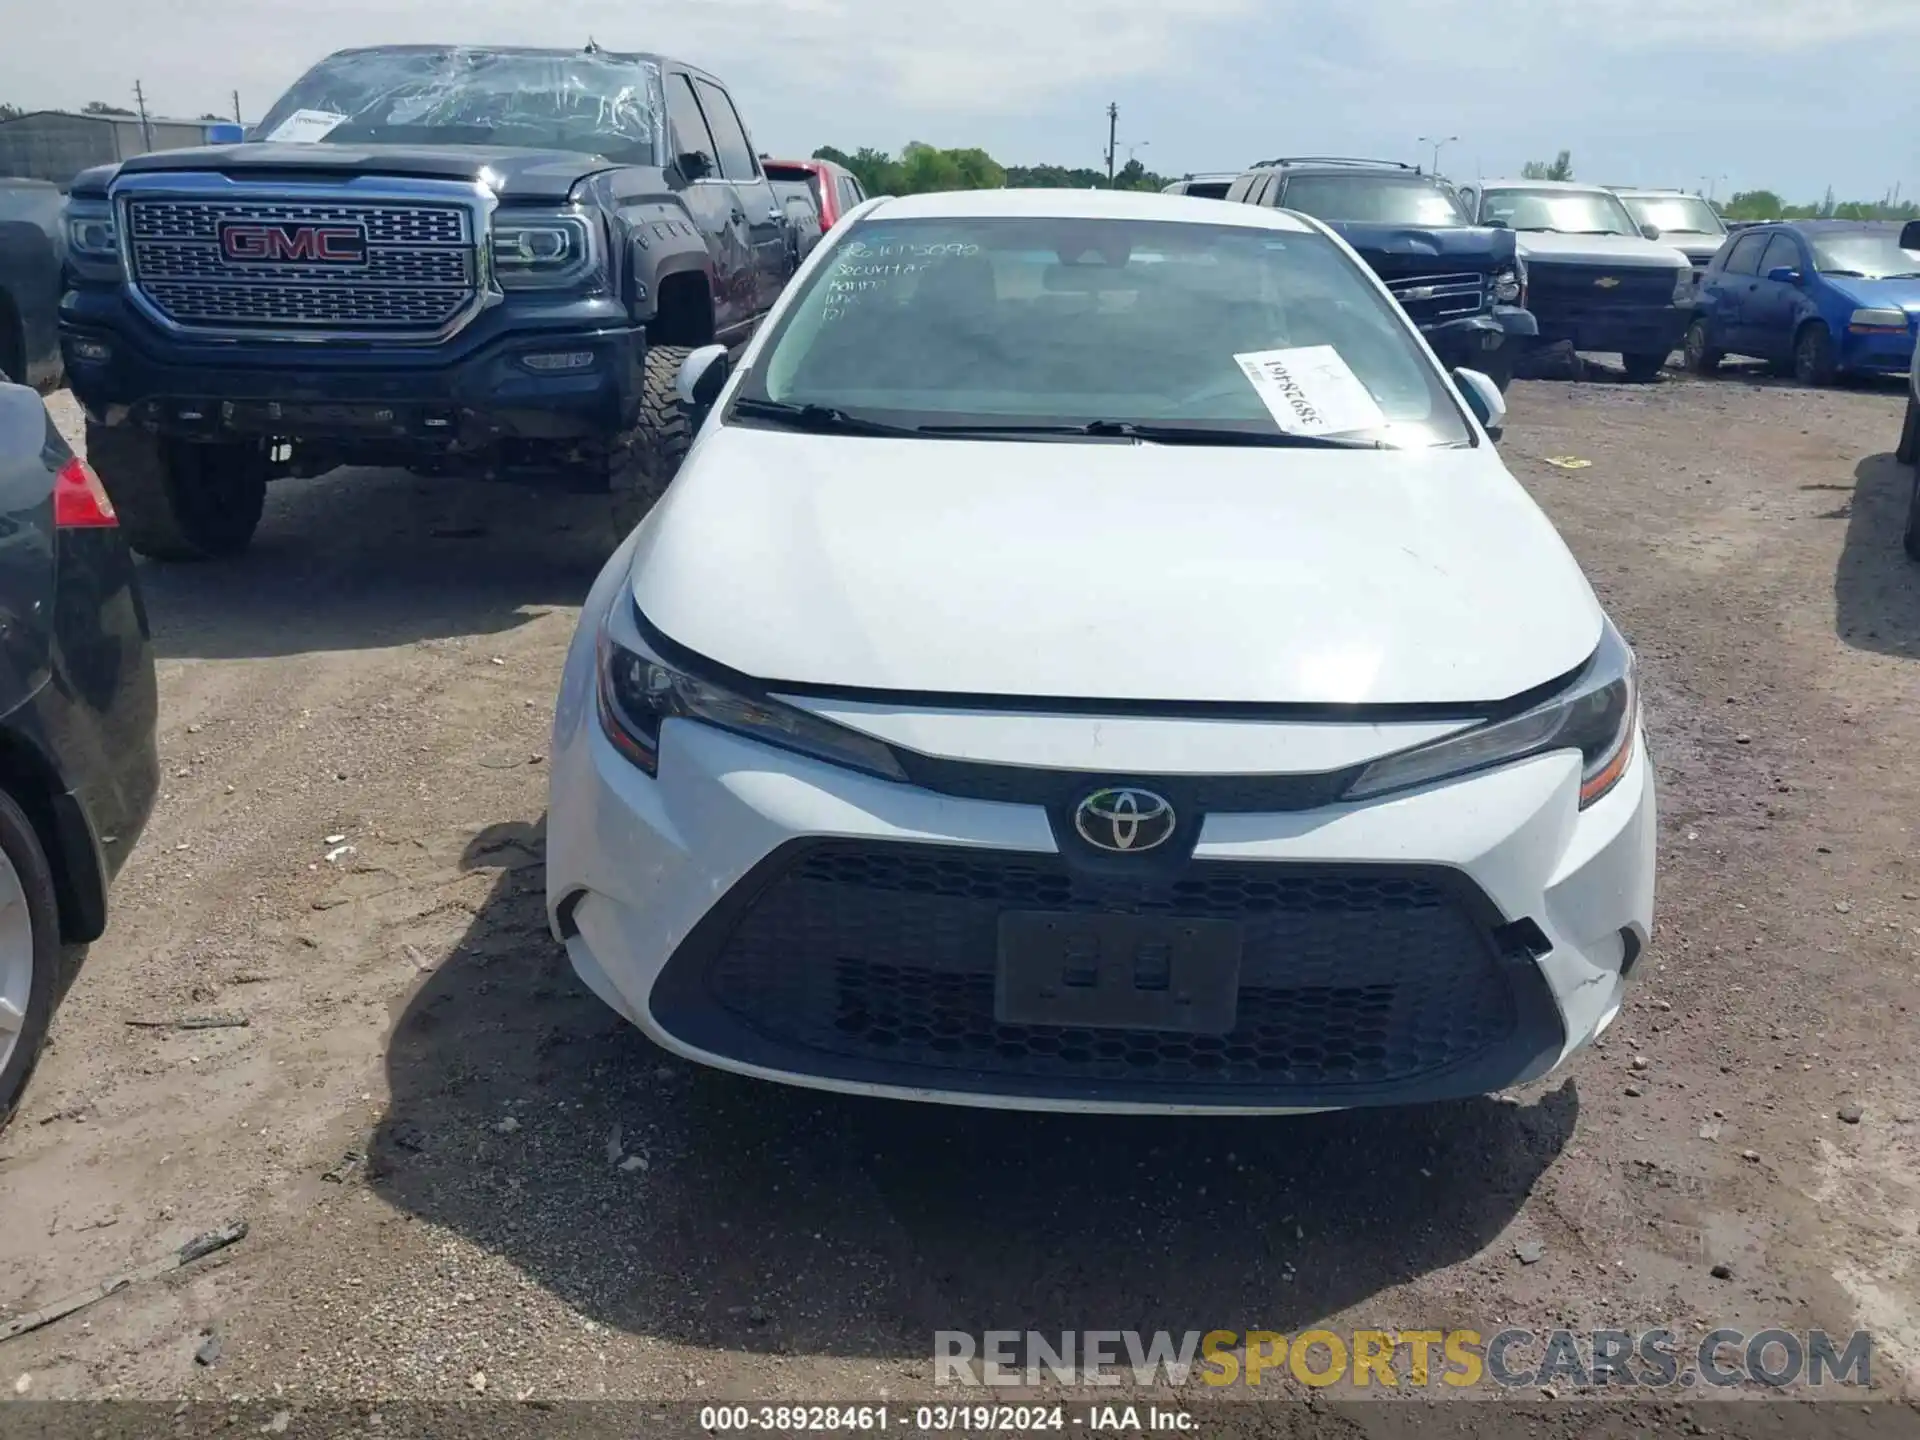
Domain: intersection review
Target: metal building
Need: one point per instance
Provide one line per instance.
(54, 145)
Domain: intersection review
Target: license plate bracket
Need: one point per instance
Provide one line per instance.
(1117, 972)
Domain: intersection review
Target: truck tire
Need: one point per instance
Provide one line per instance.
(649, 455)
(1645, 368)
(1912, 538)
(1908, 450)
(179, 501)
(1497, 366)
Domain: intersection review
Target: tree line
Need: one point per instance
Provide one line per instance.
(924, 169)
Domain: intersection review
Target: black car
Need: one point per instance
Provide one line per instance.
(78, 768)
(1463, 284)
(29, 281)
(478, 261)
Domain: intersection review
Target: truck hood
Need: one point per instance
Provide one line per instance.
(1113, 571)
(1697, 248)
(1396, 248)
(1621, 251)
(512, 174)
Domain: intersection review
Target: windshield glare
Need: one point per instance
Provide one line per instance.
(1875, 255)
(1681, 214)
(1057, 322)
(1573, 212)
(590, 104)
(1373, 199)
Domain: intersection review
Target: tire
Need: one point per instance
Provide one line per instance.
(1644, 369)
(1813, 362)
(1702, 357)
(29, 953)
(1912, 538)
(1909, 448)
(1499, 366)
(647, 457)
(180, 501)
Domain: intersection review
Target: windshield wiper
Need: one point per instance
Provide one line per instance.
(1852, 274)
(822, 418)
(1165, 434)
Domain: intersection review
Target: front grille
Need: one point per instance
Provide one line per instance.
(878, 962)
(419, 274)
(1557, 285)
(1429, 298)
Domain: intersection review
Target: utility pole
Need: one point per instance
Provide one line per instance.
(146, 126)
(1113, 138)
(236, 109)
(1439, 143)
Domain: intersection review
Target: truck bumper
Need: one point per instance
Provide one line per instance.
(1621, 330)
(568, 376)
(1465, 342)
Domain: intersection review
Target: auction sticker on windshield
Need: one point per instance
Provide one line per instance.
(304, 127)
(1311, 390)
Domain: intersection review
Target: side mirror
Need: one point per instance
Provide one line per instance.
(1484, 399)
(1784, 275)
(1652, 232)
(695, 164)
(1910, 235)
(703, 375)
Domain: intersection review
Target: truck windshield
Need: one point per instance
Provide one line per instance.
(1678, 214)
(1016, 324)
(590, 103)
(1870, 254)
(1570, 212)
(1373, 199)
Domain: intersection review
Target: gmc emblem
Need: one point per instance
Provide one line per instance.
(245, 242)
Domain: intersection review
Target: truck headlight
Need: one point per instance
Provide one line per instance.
(546, 251)
(1507, 287)
(1683, 285)
(1596, 715)
(93, 238)
(637, 693)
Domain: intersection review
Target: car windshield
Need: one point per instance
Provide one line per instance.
(1676, 214)
(1021, 323)
(1872, 254)
(1376, 199)
(1571, 212)
(589, 103)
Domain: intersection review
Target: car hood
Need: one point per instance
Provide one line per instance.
(1399, 247)
(1113, 571)
(1616, 250)
(511, 173)
(1900, 294)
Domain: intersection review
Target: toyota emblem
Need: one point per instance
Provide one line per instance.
(1124, 821)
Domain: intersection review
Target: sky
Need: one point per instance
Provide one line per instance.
(1789, 95)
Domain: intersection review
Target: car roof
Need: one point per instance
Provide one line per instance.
(1340, 165)
(1579, 185)
(1085, 205)
(1648, 192)
(1836, 227)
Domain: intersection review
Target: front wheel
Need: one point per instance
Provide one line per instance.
(1497, 366)
(1813, 355)
(1703, 357)
(1641, 369)
(29, 952)
(648, 456)
(177, 500)
(1909, 448)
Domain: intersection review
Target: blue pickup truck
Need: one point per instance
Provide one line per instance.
(1464, 285)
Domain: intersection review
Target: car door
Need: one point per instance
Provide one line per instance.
(758, 208)
(1774, 310)
(715, 209)
(1729, 293)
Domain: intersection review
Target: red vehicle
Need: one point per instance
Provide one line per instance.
(835, 191)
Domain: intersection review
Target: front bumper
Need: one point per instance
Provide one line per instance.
(1617, 330)
(467, 394)
(764, 913)
(1877, 352)
(1466, 341)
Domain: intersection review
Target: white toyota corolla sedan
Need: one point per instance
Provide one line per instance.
(1094, 658)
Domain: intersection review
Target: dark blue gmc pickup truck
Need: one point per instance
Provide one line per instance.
(1464, 285)
(490, 262)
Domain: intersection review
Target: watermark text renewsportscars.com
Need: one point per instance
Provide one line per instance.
(1397, 1359)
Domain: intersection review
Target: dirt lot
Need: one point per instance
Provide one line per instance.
(380, 669)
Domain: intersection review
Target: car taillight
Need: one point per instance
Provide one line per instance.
(79, 499)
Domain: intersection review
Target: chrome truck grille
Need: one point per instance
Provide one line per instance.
(207, 254)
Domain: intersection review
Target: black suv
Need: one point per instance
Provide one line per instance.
(1464, 285)
(482, 261)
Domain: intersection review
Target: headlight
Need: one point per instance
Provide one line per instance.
(637, 692)
(93, 239)
(1878, 320)
(1683, 284)
(1507, 287)
(545, 251)
(1595, 715)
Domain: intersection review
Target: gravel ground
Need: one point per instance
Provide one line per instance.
(550, 1207)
